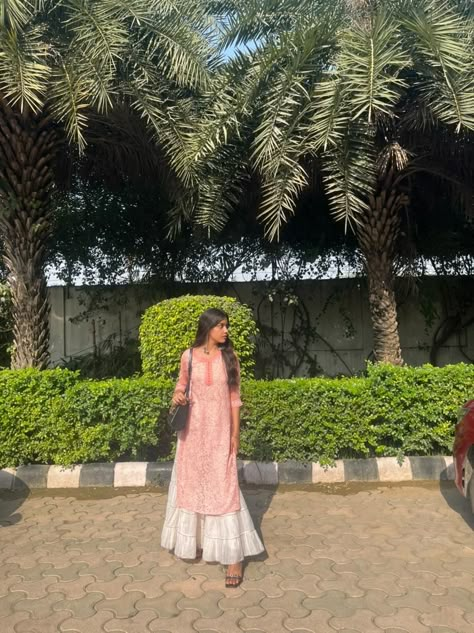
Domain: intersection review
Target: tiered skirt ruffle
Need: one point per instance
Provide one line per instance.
(226, 538)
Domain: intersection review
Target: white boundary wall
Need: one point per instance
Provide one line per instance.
(338, 310)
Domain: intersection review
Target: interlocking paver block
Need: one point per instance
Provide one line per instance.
(335, 553)
(291, 602)
(72, 589)
(41, 607)
(286, 568)
(35, 589)
(388, 583)
(165, 606)
(152, 588)
(182, 623)
(111, 589)
(404, 618)
(8, 582)
(190, 588)
(432, 566)
(448, 616)
(82, 607)
(301, 553)
(272, 621)
(269, 584)
(207, 605)
(308, 584)
(103, 571)
(92, 624)
(140, 572)
(336, 602)
(48, 624)
(123, 606)
(346, 582)
(457, 579)
(242, 602)
(361, 620)
(227, 623)
(36, 573)
(8, 622)
(375, 600)
(322, 567)
(316, 621)
(416, 599)
(422, 580)
(136, 624)
(65, 574)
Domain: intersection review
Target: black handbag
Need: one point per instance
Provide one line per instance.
(178, 415)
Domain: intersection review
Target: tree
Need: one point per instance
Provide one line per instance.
(97, 83)
(362, 91)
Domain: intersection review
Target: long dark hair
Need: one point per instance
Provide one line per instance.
(209, 319)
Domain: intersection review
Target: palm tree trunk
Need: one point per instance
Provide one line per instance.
(377, 236)
(27, 148)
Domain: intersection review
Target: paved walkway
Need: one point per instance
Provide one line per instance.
(343, 558)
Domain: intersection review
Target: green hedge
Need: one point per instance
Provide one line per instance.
(392, 411)
(55, 417)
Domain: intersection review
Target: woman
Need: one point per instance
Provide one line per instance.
(206, 515)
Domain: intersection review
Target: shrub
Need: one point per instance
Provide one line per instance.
(27, 399)
(413, 409)
(55, 417)
(169, 327)
(392, 411)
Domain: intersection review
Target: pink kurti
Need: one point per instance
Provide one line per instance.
(206, 469)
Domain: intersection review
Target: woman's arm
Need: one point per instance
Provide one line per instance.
(235, 403)
(179, 391)
(235, 430)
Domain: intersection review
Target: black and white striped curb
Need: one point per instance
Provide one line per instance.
(151, 474)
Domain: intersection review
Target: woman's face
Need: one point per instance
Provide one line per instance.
(219, 333)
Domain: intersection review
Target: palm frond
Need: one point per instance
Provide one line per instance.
(24, 66)
(279, 196)
(443, 43)
(330, 116)
(16, 14)
(71, 101)
(369, 64)
(350, 174)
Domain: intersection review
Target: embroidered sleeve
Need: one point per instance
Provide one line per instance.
(183, 372)
(235, 400)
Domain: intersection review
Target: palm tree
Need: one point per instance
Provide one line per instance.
(77, 79)
(364, 88)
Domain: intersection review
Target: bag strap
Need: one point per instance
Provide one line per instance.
(190, 369)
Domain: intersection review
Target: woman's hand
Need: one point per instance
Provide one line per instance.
(234, 444)
(179, 398)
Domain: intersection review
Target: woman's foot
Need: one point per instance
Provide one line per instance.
(198, 555)
(234, 575)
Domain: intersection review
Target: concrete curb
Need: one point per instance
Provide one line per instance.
(141, 474)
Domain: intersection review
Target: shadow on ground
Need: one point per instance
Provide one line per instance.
(11, 501)
(258, 500)
(457, 502)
